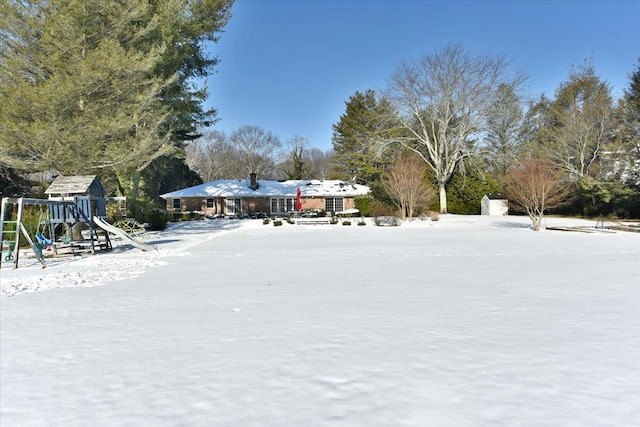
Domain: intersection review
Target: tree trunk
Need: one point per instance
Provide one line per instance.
(443, 199)
(537, 221)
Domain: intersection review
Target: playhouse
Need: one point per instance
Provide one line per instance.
(70, 221)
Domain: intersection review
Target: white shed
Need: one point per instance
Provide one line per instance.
(494, 204)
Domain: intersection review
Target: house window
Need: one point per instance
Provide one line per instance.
(210, 203)
(234, 206)
(176, 204)
(282, 204)
(334, 204)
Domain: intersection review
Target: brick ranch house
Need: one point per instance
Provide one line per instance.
(233, 197)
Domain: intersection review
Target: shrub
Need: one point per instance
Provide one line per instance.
(346, 222)
(266, 221)
(277, 223)
(379, 208)
(31, 217)
(465, 191)
(114, 214)
(157, 219)
(362, 222)
(363, 204)
(334, 220)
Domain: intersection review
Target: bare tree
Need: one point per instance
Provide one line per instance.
(504, 130)
(405, 184)
(208, 156)
(443, 101)
(258, 150)
(295, 165)
(535, 186)
(319, 163)
(581, 121)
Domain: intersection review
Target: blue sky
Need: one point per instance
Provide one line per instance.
(289, 66)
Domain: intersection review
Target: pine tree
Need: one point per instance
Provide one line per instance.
(355, 138)
(78, 87)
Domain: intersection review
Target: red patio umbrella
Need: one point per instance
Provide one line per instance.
(298, 200)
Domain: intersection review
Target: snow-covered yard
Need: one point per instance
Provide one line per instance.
(466, 321)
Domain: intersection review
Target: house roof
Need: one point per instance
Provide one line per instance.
(79, 184)
(495, 196)
(270, 188)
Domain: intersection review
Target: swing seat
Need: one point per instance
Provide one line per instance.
(44, 242)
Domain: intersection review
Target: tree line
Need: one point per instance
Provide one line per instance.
(107, 88)
(468, 120)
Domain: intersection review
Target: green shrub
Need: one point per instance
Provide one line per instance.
(277, 223)
(157, 219)
(31, 217)
(266, 221)
(465, 192)
(363, 204)
(346, 222)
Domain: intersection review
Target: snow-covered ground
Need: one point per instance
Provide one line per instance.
(463, 322)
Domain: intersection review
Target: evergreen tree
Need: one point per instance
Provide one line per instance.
(186, 28)
(465, 190)
(104, 87)
(356, 136)
(622, 164)
(78, 87)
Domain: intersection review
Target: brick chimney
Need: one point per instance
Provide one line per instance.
(253, 182)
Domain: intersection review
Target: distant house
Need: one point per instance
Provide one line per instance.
(494, 204)
(234, 197)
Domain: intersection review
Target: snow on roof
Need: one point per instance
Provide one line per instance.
(240, 188)
(79, 184)
(495, 196)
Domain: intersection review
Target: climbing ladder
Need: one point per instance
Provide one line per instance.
(8, 236)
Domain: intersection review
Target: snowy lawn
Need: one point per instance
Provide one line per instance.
(467, 321)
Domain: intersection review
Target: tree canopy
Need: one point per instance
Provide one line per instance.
(356, 137)
(443, 102)
(102, 87)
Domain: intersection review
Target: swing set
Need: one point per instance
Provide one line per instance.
(52, 213)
